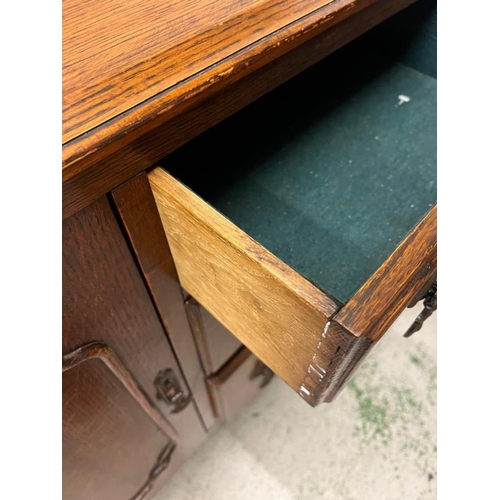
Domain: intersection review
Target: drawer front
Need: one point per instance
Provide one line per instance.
(237, 383)
(215, 343)
(297, 330)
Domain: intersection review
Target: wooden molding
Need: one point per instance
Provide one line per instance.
(200, 338)
(161, 464)
(223, 374)
(101, 351)
(136, 207)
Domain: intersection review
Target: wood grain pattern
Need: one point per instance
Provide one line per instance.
(282, 318)
(268, 306)
(112, 62)
(99, 161)
(353, 331)
(377, 304)
(424, 290)
(109, 444)
(136, 206)
(105, 299)
(336, 354)
(101, 351)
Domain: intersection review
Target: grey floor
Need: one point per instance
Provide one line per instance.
(377, 440)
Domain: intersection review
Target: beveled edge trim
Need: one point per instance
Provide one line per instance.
(109, 164)
(171, 101)
(160, 72)
(102, 351)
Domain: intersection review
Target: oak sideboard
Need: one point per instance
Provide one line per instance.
(249, 191)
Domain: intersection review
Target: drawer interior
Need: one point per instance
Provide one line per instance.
(331, 171)
(306, 222)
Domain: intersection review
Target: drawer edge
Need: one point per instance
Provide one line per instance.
(377, 304)
(270, 308)
(364, 319)
(288, 323)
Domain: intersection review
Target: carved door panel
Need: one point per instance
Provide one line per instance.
(116, 419)
(113, 440)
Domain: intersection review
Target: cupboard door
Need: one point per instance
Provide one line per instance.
(106, 302)
(112, 438)
(136, 207)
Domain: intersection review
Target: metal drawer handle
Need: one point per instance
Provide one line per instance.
(169, 390)
(430, 305)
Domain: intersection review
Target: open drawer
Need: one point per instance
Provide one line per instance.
(309, 222)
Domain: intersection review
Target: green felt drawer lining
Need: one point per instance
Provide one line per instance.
(328, 172)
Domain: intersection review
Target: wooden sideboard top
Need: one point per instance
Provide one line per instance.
(131, 66)
(118, 54)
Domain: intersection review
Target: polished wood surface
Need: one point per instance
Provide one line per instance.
(140, 79)
(101, 351)
(109, 443)
(271, 308)
(105, 300)
(106, 156)
(136, 206)
(117, 54)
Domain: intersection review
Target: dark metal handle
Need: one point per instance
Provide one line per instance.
(168, 389)
(430, 305)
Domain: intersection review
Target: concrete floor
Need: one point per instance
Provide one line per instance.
(377, 440)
